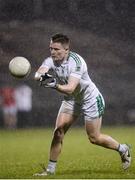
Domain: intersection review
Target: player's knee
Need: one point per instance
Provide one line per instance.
(58, 134)
(94, 139)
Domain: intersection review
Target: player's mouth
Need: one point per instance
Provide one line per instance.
(55, 58)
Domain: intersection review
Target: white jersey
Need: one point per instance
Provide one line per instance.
(74, 66)
(23, 95)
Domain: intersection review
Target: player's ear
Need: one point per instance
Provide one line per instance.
(67, 50)
(66, 47)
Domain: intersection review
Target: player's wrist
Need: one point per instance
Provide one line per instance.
(57, 86)
(37, 76)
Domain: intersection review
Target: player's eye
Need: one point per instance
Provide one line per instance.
(55, 49)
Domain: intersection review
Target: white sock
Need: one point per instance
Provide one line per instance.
(51, 166)
(122, 148)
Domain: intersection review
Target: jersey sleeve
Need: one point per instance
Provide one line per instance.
(76, 67)
(47, 63)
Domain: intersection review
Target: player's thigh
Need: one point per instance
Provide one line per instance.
(65, 120)
(93, 127)
(68, 113)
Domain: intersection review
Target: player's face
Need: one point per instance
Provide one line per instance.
(58, 51)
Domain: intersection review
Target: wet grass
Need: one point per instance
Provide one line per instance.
(22, 151)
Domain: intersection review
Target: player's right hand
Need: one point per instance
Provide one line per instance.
(45, 76)
(52, 84)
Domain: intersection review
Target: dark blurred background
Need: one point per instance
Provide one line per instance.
(102, 31)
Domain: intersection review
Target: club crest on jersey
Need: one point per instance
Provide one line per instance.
(78, 68)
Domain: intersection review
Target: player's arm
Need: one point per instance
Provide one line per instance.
(41, 71)
(66, 88)
(70, 87)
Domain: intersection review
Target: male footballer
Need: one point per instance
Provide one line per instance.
(80, 96)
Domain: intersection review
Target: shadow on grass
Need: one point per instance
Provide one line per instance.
(88, 172)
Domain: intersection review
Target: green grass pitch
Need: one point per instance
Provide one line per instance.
(22, 151)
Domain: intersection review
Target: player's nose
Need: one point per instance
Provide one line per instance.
(52, 51)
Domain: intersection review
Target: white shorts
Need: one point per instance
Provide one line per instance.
(10, 110)
(91, 109)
